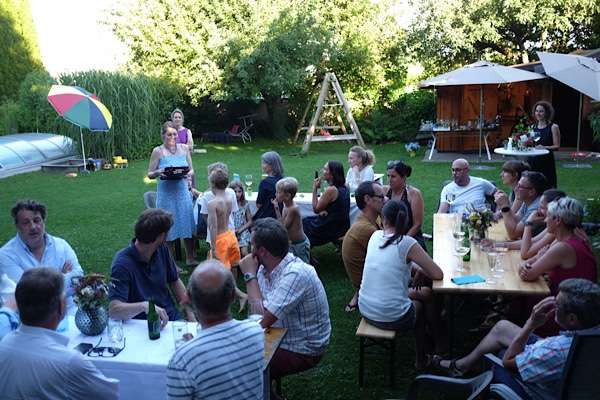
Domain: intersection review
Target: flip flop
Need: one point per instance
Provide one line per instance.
(351, 307)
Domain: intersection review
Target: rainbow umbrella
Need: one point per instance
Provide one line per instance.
(81, 108)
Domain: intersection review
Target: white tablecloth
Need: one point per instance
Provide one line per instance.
(516, 153)
(304, 202)
(141, 367)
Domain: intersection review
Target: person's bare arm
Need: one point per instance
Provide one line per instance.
(277, 211)
(425, 262)
(418, 209)
(514, 228)
(190, 140)
(118, 309)
(153, 170)
(212, 226)
(183, 299)
(249, 264)
(188, 156)
(558, 255)
(329, 196)
(444, 208)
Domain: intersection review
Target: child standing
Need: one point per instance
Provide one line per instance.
(290, 217)
(242, 218)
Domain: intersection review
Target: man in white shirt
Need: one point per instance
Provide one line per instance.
(225, 360)
(32, 247)
(35, 362)
(465, 190)
(292, 295)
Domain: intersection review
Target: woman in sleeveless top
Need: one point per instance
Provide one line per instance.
(410, 196)
(567, 257)
(184, 136)
(174, 195)
(360, 162)
(549, 134)
(385, 298)
(332, 208)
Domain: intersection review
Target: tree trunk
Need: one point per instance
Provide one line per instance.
(278, 113)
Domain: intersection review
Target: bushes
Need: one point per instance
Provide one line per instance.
(400, 121)
(138, 104)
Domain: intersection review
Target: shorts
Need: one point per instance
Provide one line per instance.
(301, 249)
(406, 322)
(227, 249)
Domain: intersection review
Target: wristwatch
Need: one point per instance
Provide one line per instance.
(248, 276)
(505, 209)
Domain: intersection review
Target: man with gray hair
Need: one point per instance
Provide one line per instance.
(225, 360)
(538, 362)
(35, 362)
(464, 190)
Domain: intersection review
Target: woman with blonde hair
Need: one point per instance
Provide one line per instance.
(360, 167)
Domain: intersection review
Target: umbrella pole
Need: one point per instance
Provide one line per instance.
(479, 165)
(82, 150)
(577, 164)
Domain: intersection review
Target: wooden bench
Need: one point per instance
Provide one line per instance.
(332, 138)
(371, 336)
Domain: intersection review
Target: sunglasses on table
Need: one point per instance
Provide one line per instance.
(104, 351)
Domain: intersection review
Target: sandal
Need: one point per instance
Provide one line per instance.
(428, 363)
(451, 370)
(351, 307)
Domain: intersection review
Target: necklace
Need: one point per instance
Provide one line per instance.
(171, 151)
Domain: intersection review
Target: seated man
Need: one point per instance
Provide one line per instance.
(35, 361)
(530, 188)
(538, 363)
(145, 271)
(369, 200)
(225, 360)
(292, 295)
(32, 247)
(465, 190)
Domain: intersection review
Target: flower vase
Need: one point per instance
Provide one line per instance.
(91, 321)
(477, 234)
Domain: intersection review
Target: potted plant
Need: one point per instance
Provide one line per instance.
(412, 148)
(91, 297)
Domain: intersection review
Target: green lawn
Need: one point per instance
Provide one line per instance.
(96, 213)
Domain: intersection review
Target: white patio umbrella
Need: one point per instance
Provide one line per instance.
(481, 73)
(580, 73)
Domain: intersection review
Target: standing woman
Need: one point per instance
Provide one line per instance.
(361, 167)
(549, 139)
(332, 208)
(272, 166)
(184, 136)
(410, 196)
(173, 195)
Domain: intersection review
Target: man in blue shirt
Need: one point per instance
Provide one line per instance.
(32, 247)
(145, 271)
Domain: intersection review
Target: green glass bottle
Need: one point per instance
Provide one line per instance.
(467, 257)
(153, 321)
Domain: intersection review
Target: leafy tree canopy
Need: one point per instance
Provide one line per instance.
(450, 33)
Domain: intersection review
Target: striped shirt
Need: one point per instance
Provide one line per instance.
(294, 294)
(223, 362)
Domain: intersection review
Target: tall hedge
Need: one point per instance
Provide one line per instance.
(138, 104)
(19, 53)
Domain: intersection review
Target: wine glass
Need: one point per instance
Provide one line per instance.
(115, 332)
(248, 183)
(457, 230)
(460, 250)
(536, 136)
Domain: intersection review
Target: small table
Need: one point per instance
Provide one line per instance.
(141, 367)
(521, 154)
(304, 202)
(443, 255)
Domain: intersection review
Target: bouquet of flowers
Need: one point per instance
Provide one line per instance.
(412, 148)
(90, 291)
(478, 220)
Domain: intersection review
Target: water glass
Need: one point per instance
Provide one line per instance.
(460, 250)
(180, 332)
(115, 332)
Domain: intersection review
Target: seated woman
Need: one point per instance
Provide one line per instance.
(332, 208)
(510, 175)
(569, 256)
(361, 163)
(384, 298)
(272, 166)
(399, 189)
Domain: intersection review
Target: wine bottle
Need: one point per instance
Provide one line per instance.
(153, 321)
(466, 257)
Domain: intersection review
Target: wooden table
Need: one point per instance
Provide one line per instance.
(273, 337)
(443, 255)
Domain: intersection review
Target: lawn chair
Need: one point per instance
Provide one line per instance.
(243, 133)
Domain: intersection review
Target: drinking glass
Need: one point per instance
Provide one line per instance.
(255, 310)
(450, 197)
(115, 332)
(457, 229)
(180, 332)
(502, 250)
(248, 183)
(460, 249)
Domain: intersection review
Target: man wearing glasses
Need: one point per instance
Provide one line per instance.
(464, 190)
(35, 362)
(530, 188)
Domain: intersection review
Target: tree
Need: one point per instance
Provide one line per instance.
(449, 33)
(269, 49)
(20, 53)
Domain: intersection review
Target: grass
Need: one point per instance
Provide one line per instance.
(96, 213)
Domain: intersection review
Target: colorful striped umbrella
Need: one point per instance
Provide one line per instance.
(81, 108)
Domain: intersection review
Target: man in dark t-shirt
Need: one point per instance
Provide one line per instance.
(145, 271)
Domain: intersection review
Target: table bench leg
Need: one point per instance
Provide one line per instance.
(432, 146)
(451, 325)
(361, 361)
(392, 363)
